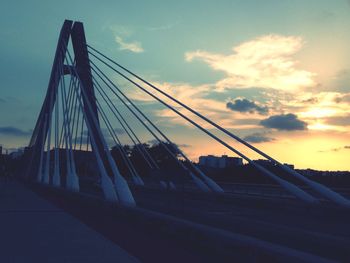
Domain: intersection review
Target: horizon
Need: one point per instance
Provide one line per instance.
(196, 160)
(277, 74)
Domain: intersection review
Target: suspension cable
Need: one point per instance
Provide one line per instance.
(287, 185)
(114, 110)
(141, 121)
(325, 191)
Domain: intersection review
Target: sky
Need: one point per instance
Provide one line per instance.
(276, 73)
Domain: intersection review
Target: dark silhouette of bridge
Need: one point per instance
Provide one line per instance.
(71, 95)
(69, 161)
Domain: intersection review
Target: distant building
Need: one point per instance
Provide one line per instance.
(268, 163)
(220, 162)
(0, 149)
(263, 162)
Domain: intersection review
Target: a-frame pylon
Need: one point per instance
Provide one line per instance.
(76, 32)
(79, 68)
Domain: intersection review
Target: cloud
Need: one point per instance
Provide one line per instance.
(312, 100)
(337, 149)
(193, 96)
(258, 138)
(131, 46)
(266, 62)
(313, 108)
(338, 120)
(322, 110)
(343, 98)
(287, 122)
(13, 131)
(203, 98)
(245, 105)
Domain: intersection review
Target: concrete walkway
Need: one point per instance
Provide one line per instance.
(33, 230)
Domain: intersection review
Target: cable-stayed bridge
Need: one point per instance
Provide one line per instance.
(82, 116)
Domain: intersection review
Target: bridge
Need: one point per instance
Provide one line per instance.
(76, 161)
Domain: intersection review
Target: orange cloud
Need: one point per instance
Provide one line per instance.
(266, 62)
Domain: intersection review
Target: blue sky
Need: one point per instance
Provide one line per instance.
(208, 51)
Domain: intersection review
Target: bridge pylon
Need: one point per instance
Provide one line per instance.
(62, 103)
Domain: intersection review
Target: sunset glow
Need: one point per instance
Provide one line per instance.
(279, 79)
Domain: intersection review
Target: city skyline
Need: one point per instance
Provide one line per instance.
(285, 87)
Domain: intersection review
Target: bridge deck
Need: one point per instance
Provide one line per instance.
(320, 230)
(33, 230)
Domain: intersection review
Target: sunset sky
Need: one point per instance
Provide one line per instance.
(276, 73)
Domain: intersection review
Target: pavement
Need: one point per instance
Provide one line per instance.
(34, 230)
